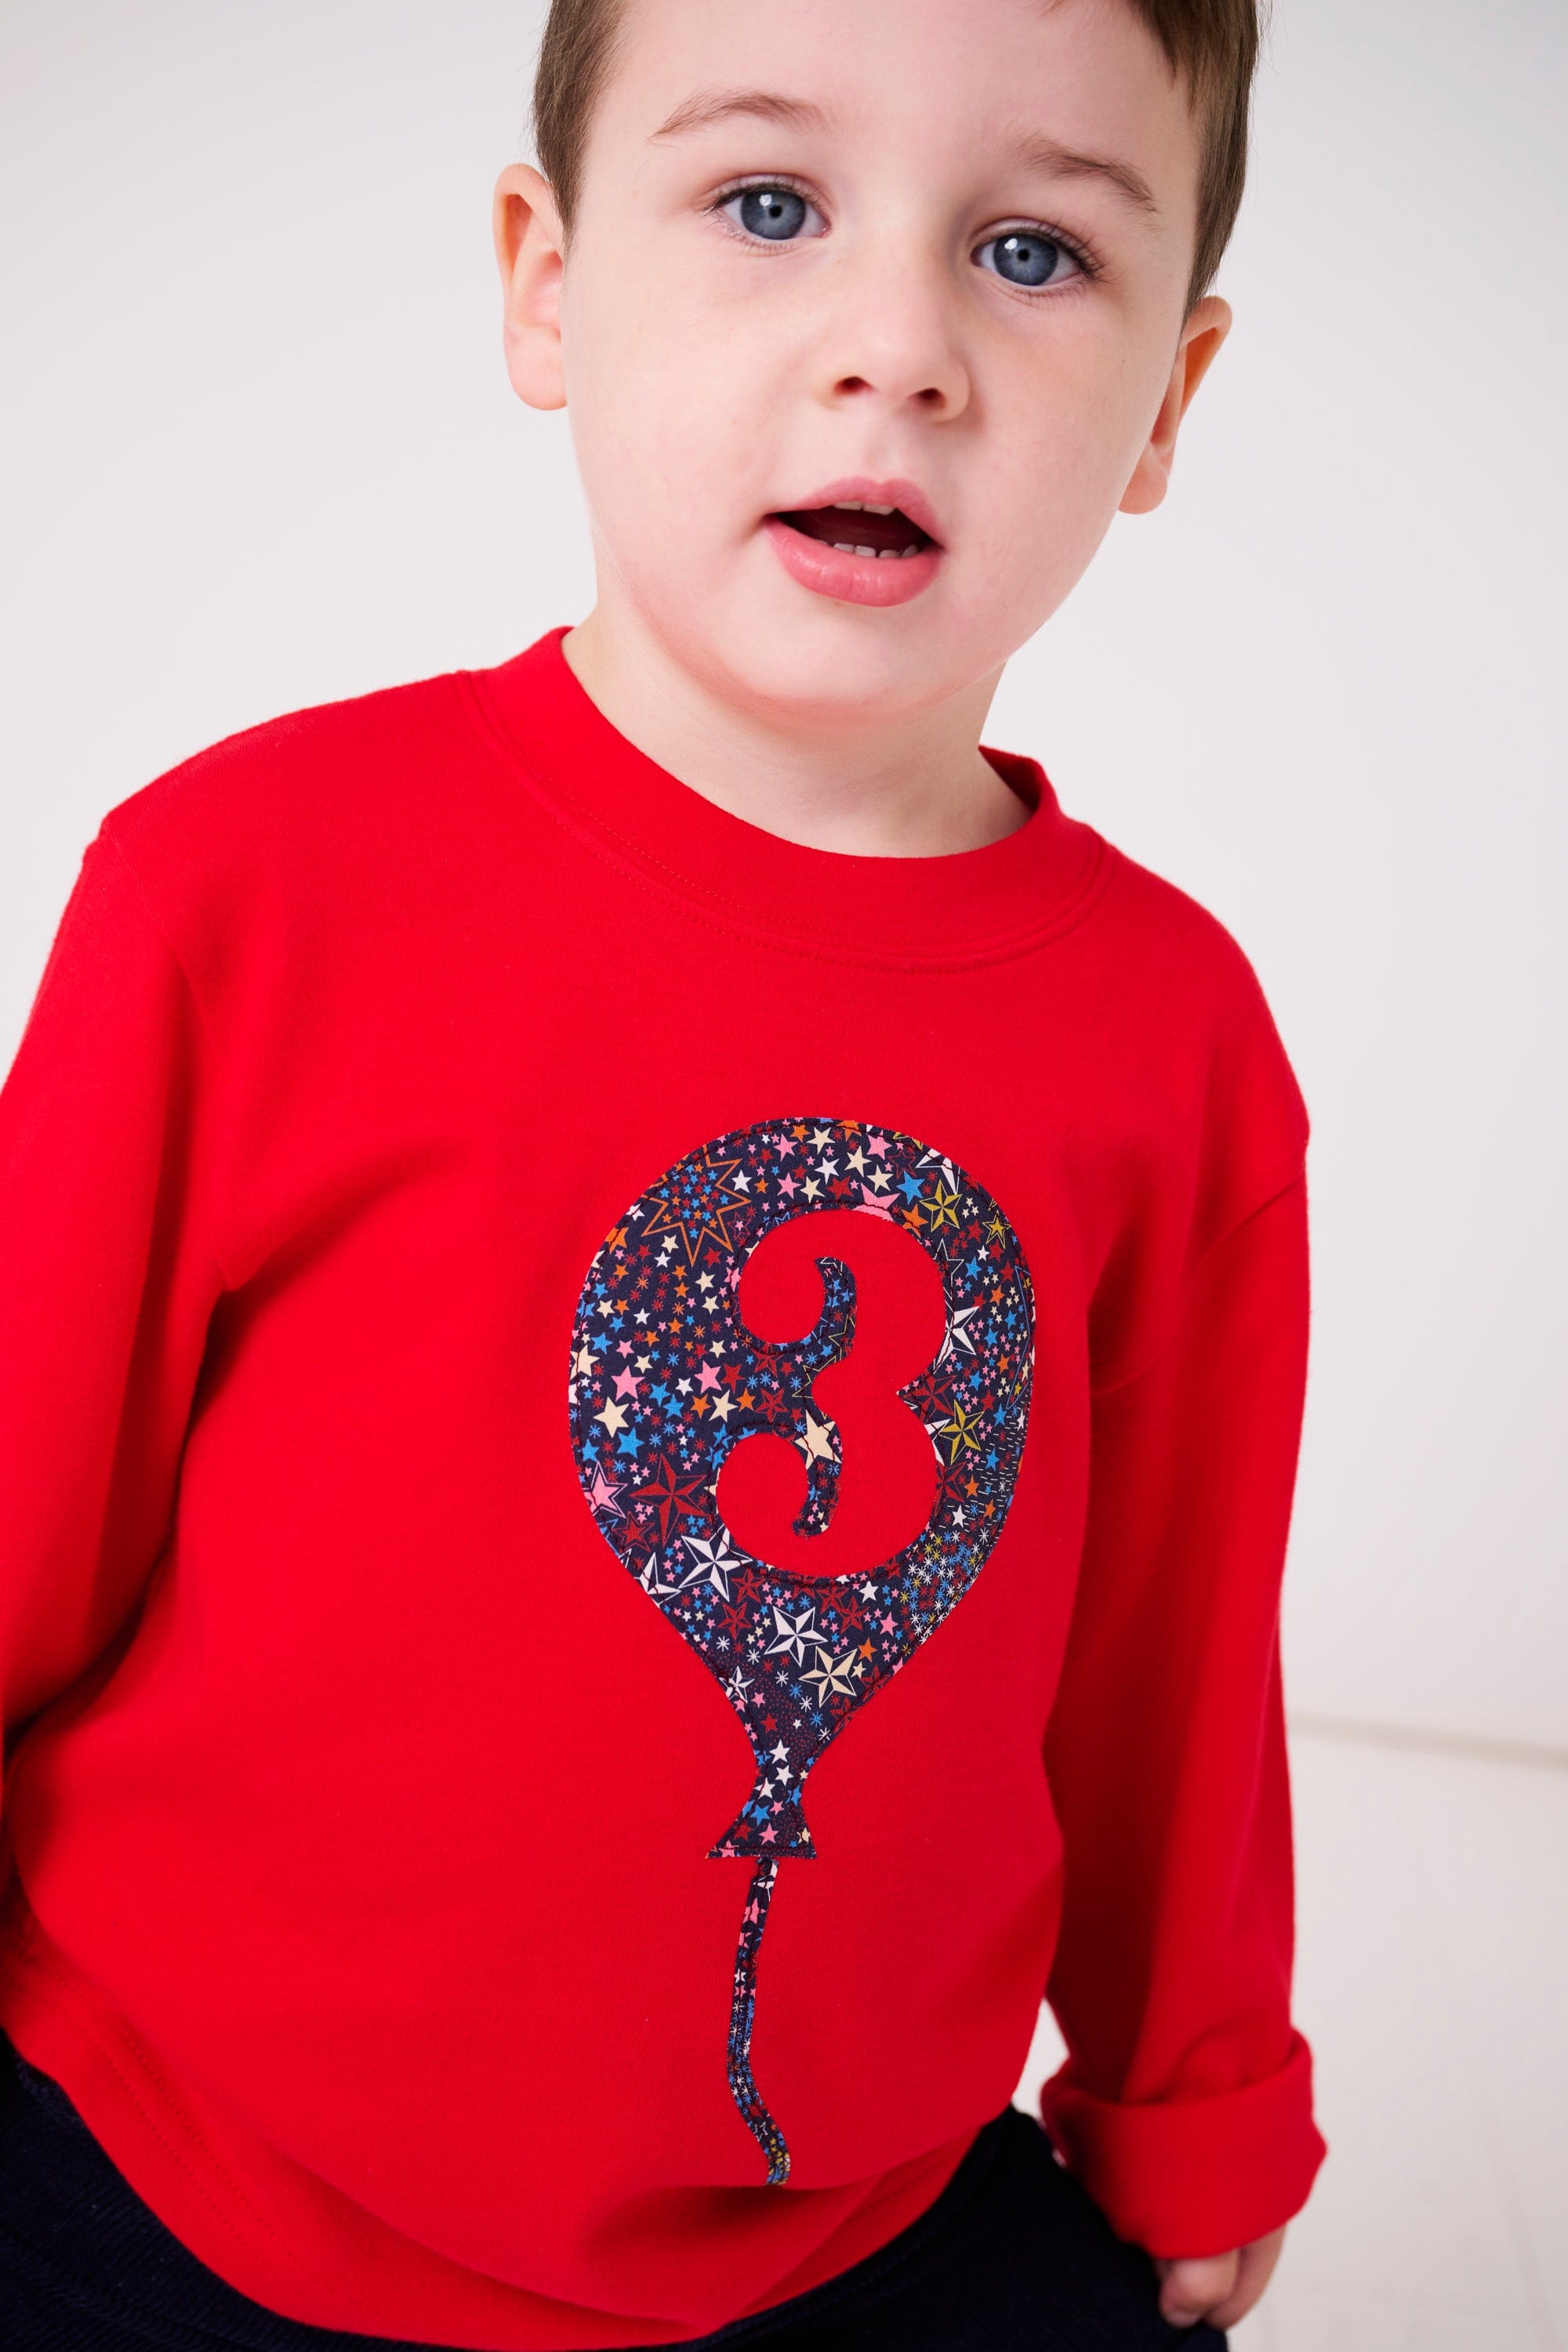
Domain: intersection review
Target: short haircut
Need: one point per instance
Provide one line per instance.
(1212, 44)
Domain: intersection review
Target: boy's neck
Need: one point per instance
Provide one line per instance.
(920, 788)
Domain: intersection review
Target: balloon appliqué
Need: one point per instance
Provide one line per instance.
(799, 1390)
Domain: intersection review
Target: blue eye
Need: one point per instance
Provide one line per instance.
(777, 215)
(1028, 256)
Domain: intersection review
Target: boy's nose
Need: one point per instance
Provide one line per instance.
(898, 346)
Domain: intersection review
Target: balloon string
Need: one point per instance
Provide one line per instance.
(742, 2085)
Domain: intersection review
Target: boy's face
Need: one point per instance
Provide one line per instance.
(925, 253)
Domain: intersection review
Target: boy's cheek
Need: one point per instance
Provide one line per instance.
(655, 464)
(679, 434)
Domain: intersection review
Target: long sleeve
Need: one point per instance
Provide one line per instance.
(106, 1281)
(1184, 2104)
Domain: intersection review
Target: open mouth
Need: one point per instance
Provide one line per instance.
(853, 529)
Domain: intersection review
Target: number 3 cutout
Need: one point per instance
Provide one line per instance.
(853, 1477)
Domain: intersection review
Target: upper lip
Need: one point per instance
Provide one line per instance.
(906, 496)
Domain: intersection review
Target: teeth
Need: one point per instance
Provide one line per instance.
(866, 551)
(843, 546)
(871, 509)
(846, 505)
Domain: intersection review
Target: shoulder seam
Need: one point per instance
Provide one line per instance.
(1129, 1379)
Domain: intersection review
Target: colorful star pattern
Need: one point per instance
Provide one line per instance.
(666, 1379)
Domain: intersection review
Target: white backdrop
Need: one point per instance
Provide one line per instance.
(260, 451)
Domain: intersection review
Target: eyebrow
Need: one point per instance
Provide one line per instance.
(717, 105)
(1035, 153)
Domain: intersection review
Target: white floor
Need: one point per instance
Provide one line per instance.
(1432, 1981)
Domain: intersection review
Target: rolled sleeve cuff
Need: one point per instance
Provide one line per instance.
(1193, 2176)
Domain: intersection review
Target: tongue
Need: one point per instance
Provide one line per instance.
(842, 528)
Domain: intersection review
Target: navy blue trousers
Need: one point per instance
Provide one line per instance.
(1012, 2257)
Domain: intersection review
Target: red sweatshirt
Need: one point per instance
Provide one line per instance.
(643, 1482)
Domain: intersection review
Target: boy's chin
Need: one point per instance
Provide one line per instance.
(771, 645)
(819, 673)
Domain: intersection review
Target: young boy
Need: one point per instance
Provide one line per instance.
(653, 1330)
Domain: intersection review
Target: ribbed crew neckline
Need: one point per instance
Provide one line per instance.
(960, 906)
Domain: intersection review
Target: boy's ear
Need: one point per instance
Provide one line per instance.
(528, 248)
(1202, 336)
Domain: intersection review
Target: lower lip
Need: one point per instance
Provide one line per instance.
(852, 579)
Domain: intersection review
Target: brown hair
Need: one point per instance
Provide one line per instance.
(1212, 42)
